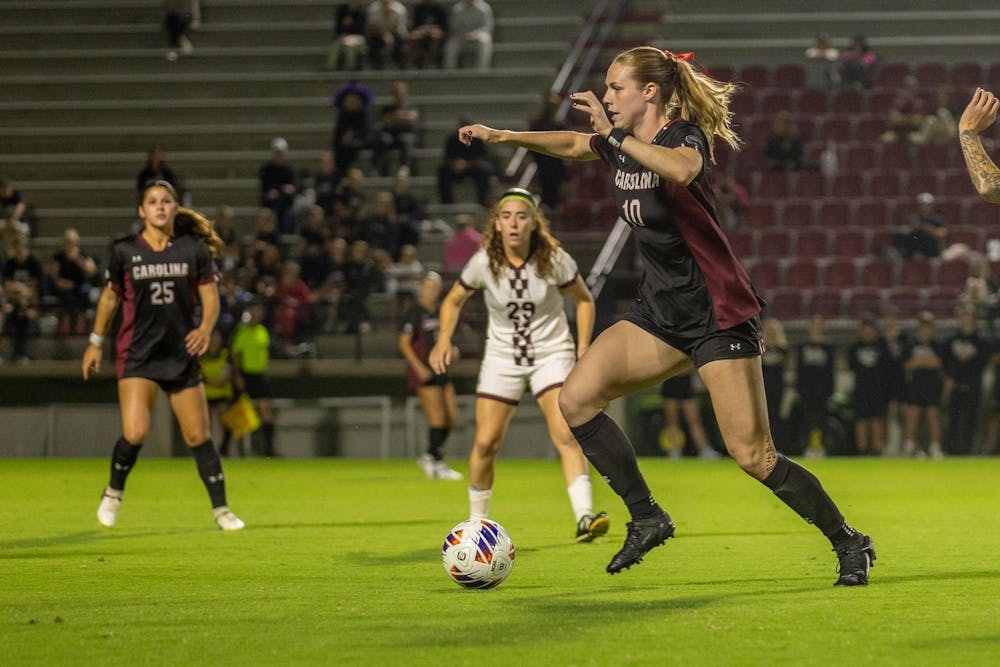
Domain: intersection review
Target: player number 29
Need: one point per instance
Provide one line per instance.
(631, 212)
(161, 293)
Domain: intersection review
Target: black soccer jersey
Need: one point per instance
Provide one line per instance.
(159, 293)
(692, 283)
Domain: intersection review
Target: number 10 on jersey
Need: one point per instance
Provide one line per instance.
(631, 212)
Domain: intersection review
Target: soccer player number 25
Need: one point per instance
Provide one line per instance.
(161, 293)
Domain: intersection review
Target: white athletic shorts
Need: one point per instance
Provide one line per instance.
(502, 380)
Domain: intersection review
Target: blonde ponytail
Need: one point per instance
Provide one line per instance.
(192, 222)
(704, 101)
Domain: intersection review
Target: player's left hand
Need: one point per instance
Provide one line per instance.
(588, 103)
(196, 342)
(981, 112)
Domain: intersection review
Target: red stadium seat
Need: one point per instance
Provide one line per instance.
(950, 208)
(868, 128)
(765, 273)
(755, 76)
(807, 126)
(837, 128)
(833, 213)
(931, 75)
(848, 184)
(576, 214)
(774, 184)
(825, 301)
(840, 272)
(783, 303)
(813, 101)
(850, 242)
(809, 184)
(921, 181)
(774, 242)
(916, 272)
(970, 235)
(966, 75)
(812, 242)
(796, 213)
(743, 103)
(872, 212)
(762, 214)
(907, 298)
(984, 215)
(788, 76)
(941, 300)
(892, 73)
(895, 157)
(801, 273)
(956, 182)
(880, 100)
(862, 301)
(723, 72)
(847, 101)
(953, 273)
(903, 212)
(876, 272)
(992, 77)
(774, 100)
(936, 156)
(879, 183)
(857, 156)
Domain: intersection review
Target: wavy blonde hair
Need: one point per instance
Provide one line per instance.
(189, 221)
(542, 249)
(686, 92)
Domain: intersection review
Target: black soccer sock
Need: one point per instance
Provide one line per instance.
(435, 439)
(799, 489)
(267, 429)
(122, 461)
(611, 453)
(210, 470)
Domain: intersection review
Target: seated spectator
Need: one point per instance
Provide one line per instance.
(225, 227)
(925, 235)
(360, 280)
(430, 27)
(278, 185)
(387, 32)
(404, 275)
(265, 236)
(463, 245)
(461, 162)
(399, 130)
(409, 211)
(821, 64)
(331, 290)
(470, 26)
(22, 279)
(352, 129)
(12, 212)
(379, 227)
(349, 46)
(551, 170)
(785, 149)
(69, 275)
(156, 169)
(182, 16)
(857, 64)
(351, 194)
(292, 300)
(314, 231)
(938, 125)
(325, 183)
(732, 199)
(906, 114)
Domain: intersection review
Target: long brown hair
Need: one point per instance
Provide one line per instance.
(543, 245)
(686, 92)
(189, 221)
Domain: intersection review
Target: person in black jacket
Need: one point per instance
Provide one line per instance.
(814, 361)
(871, 363)
(966, 355)
(923, 388)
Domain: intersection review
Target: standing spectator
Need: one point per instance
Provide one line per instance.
(471, 25)
(551, 170)
(679, 399)
(462, 245)
(12, 210)
(347, 51)
(22, 279)
(325, 183)
(387, 32)
(430, 27)
(785, 149)
(925, 234)
(906, 114)
(966, 355)
(814, 364)
(462, 161)
(857, 64)
(870, 362)
(352, 129)
(923, 388)
(773, 365)
(69, 275)
(182, 16)
(278, 185)
(251, 359)
(398, 130)
(821, 64)
(156, 169)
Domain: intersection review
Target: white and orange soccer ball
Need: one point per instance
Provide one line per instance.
(478, 553)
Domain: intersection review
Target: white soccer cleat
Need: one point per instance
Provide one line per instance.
(935, 451)
(442, 471)
(427, 464)
(107, 511)
(226, 520)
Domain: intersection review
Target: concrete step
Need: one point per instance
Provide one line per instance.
(725, 8)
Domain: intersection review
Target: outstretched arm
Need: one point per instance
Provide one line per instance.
(561, 143)
(979, 115)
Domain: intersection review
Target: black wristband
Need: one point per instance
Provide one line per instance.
(616, 137)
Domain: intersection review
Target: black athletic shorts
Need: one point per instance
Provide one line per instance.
(192, 378)
(738, 342)
(870, 405)
(257, 385)
(678, 388)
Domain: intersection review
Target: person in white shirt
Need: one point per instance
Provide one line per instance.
(471, 25)
(523, 273)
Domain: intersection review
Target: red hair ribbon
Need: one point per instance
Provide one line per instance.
(688, 57)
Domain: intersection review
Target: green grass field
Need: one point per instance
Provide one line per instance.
(340, 564)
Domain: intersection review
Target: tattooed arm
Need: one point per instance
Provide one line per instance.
(979, 115)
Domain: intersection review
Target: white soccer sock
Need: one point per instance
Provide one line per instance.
(581, 496)
(479, 502)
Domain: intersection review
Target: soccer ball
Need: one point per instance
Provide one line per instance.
(478, 553)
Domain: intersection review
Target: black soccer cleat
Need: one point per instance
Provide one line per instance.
(591, 526)
(643, 535)
(856, 558)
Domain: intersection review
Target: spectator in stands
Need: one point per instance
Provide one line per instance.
(679, 399)
(406, 272)
(464, 161)
(326, 181)
(785, 149)
(360, 280)
(347, 51)
(353, 129)
(379, 227)
(470, 26)
(978, 116)
(278, 185)
(462, 245)
(923, 388)
(387, 32)
(409, 211)
(251, 354)
(182, 16)
(925, 235)
(857, 64)
(330, 291)
(965, 355)
(814, 373)
(822, 60)
(773, 364)
(156, 169)
(871, 363)
(906, 115)
(551, 170)
(398, 130)
(732, 198)
(981, 290)
(22, 280)
(225, 227)
(430, 27)
(292, 306)
(938, 125)
(12, 208)
(69, 275)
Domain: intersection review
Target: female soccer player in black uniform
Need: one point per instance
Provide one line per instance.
(695, 304)
(159, 277)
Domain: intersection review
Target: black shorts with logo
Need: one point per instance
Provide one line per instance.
(738, 342)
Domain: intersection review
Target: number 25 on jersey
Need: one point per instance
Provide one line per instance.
(161, 293)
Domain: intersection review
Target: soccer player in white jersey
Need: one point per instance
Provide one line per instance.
(523, 272)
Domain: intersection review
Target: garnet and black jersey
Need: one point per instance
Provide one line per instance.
(692, 283)
(159, 295)
(422, 325)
